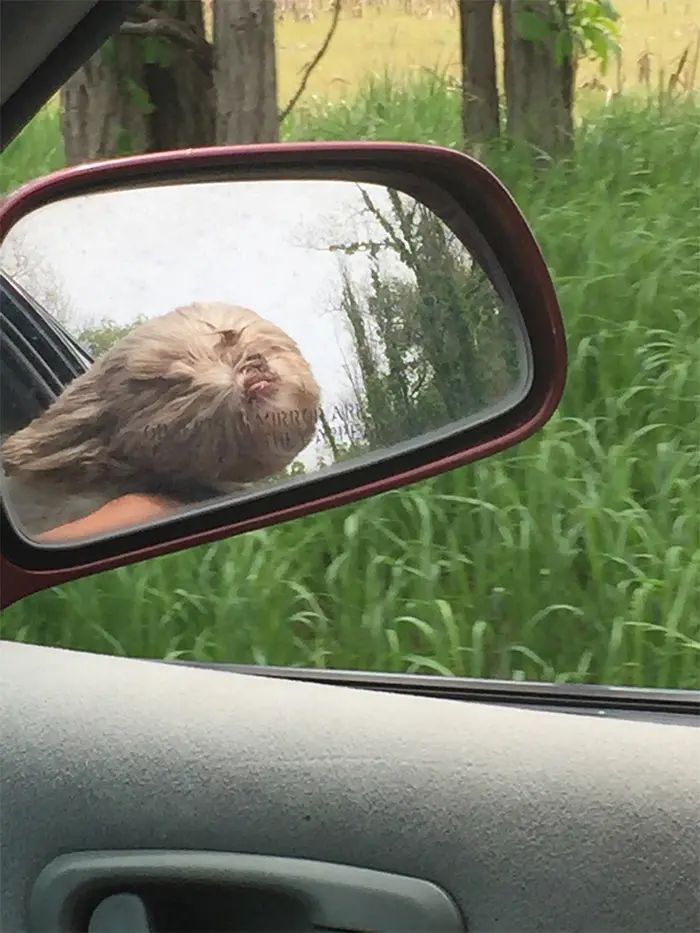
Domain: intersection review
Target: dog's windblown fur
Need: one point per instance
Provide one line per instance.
(188, 405)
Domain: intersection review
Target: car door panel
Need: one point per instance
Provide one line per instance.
(527, 819)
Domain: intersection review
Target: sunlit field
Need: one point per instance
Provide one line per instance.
(575, 556)
(655, 34)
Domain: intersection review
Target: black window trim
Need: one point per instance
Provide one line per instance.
(59, 357)
(24, 356)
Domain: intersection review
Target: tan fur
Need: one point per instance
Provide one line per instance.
(170, 407)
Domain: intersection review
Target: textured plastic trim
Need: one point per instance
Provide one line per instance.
(339, 897)
(645, 702)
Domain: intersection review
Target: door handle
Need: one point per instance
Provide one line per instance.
(156, 891)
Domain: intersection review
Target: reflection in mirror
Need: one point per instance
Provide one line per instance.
(245, 333)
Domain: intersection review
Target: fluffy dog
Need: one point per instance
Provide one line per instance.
(193, 404)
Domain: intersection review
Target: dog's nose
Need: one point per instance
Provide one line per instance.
(255, 364)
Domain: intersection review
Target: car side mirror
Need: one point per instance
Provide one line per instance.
(276, 330)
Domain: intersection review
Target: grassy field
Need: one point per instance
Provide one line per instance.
(655, 31)
(575, 556)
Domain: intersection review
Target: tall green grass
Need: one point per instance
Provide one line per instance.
(573, 557)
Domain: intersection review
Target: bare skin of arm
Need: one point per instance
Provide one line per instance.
(119, 513)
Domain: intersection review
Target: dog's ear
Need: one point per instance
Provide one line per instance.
(38, 451)
(65, 438)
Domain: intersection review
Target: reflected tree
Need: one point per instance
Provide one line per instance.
(432, 340)
(99, 336)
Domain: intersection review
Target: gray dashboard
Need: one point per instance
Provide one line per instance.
(529, 820)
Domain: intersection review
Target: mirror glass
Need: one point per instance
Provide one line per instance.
(244, 333)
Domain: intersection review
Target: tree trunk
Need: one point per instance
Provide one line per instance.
(99, 118)
(142, 93)
(480, 107)
(539, 91)
(182, 93)
(245, 71)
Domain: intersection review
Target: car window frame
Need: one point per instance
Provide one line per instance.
(37, 345)
(48, 348)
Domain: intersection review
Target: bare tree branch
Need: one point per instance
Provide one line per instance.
(313, 63)
(328, 433)
(167, 28)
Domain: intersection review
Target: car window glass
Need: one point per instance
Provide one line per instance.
(572, 557)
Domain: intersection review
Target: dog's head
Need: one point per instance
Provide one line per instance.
(209, 394)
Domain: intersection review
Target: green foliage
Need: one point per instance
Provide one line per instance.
(157, 50)
(108, 51)
(100, 336)
(153, 50)
(574, 556)
(593, 25)
(433, 344)
(126, 143)
(579, 28)
(139, 96)
(37, 151)
(532, 27)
